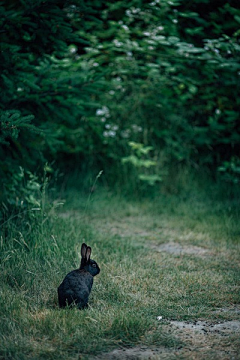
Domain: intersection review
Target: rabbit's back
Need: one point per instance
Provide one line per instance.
(75, 288)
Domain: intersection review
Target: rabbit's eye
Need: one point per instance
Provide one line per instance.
(94, 265)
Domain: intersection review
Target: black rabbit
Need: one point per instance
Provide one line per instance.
(77, 284)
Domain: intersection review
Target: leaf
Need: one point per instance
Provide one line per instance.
(150, 179)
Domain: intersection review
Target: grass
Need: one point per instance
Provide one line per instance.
(136, 284)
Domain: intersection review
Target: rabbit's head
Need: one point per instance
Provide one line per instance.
(86, 263)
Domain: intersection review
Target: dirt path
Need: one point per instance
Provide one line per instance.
(202, 339)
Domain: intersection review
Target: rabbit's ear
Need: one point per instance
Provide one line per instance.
(88, 253)
(83, 250)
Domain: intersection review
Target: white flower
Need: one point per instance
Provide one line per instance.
(117, 43)
(136, 10)
(104, 111)
(112, 133)
(109, 133)
(125, 27)
(73, 49)
(99, 112)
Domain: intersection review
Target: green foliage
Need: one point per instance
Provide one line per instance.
(11, 123)
(230, 170)
(46, 89)
(80, 80)
(29, 205)
(172, 81)
(141, 161)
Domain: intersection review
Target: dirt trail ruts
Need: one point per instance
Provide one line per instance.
(202, 340)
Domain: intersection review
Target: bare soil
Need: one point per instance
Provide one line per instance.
(202, 340)
(178, 249)
(138, 352)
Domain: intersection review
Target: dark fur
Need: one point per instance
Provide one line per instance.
(77, 284)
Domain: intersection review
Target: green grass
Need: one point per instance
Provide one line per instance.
(136, 283)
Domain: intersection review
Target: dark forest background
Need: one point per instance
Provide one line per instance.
(138, 89)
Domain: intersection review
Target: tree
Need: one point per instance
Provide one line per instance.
(83, 79)
(46, 90)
